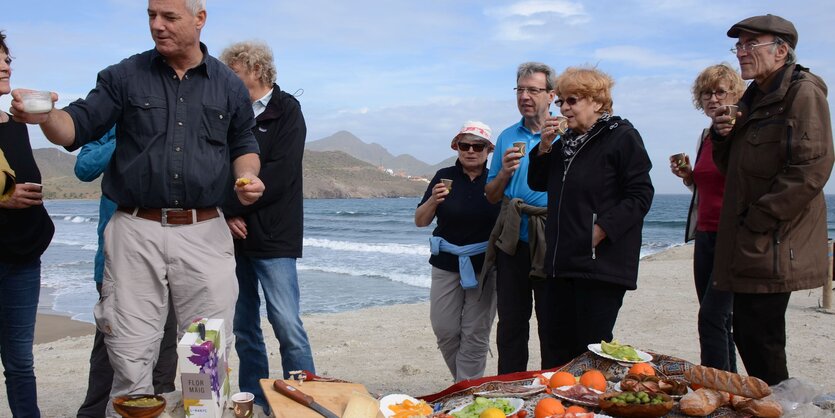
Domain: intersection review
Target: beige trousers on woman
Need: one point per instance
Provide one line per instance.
(461, 320)
(143, 262)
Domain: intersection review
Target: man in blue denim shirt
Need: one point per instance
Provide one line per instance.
(184, 122)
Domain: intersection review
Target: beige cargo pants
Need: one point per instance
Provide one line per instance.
(144, 260)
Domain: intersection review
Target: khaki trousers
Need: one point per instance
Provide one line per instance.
(143, 262)
(461, 320)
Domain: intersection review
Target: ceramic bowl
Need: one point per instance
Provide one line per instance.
(128, 411)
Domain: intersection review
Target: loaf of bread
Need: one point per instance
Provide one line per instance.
(747, 386)
(702, 402)
(762, 408)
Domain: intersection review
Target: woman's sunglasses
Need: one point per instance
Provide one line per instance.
(465, 146)
(571, 101)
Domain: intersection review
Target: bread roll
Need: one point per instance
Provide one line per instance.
(702, 402)
(747, 386)
(762, 408)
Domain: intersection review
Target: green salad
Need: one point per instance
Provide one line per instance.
(475, 409)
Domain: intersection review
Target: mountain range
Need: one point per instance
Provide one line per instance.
(377, 155)
(338, 166)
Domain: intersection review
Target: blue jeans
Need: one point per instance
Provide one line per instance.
(20, 288)
(280, 283)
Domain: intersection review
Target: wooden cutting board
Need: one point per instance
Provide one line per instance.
(332, 395)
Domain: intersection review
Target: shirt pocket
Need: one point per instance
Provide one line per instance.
(146, 116)
(215, 125)
(764, 155)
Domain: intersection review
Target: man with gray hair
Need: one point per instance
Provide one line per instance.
(776, 153)
(517, 243)
(183, 122)
(268, 236)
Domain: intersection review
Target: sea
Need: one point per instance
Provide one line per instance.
(358, 253)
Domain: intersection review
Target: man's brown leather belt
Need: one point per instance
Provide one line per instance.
(173, 216)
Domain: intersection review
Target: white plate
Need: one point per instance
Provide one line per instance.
(393, 399)
(617, 389)
(535, 383)
(645, 357)
(575, 400)
(516, 403)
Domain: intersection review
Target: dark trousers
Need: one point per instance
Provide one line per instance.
(514, 305)
(101, 373)
(716, 338)
(760, 334)
(586, 314)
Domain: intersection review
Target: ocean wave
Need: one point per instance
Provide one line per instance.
(74, 243)
(409, 279)
(76, 219)
(650, 248)
(383, 248)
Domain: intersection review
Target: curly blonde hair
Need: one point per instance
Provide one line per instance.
(587, 82)
(254, 56)
(710, 78)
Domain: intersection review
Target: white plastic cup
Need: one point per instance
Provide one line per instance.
(37, 101)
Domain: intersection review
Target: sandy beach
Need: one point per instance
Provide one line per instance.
(392, 349)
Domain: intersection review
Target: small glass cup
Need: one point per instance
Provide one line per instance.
(679, 159)
(521, 145)
(562, 125)
(36, 101)
(448, 184)
(731, 110)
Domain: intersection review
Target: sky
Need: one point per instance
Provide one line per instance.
(408, 74)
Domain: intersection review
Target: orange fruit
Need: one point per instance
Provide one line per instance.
(593, 379)
(562, 379)
(575, 409)
(642, 368)
(547, 407)
(492, 413)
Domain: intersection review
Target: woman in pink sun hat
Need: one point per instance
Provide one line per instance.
(462, 308)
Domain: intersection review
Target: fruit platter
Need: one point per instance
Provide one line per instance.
(610, 383)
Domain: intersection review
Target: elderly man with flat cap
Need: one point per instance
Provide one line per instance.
(776, 151)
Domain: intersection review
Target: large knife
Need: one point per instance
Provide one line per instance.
(302, 398)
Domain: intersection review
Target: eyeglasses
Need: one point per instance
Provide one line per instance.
(720, 94)
(465, 146)
(533, 91)
(571, 101)
(750, 46)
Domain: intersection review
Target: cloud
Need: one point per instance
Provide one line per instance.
(563, 9)
(534, 20)
(643, 57)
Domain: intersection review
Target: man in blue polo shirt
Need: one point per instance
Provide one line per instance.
(518, 256)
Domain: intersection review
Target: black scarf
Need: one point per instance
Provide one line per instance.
(572, 141)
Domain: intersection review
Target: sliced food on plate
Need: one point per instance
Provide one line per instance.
(652, 384)
(474, 409)
(403, 406)
(619, 352)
